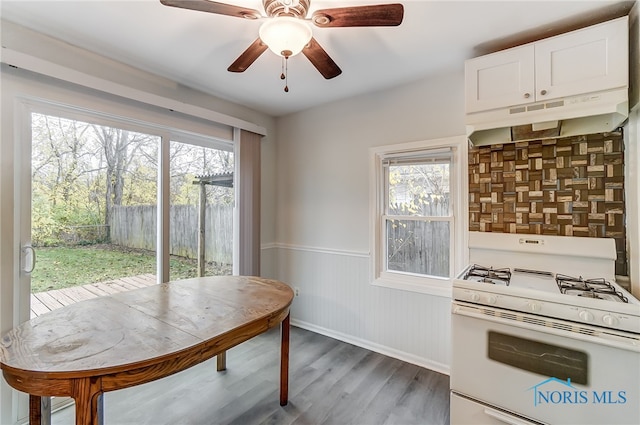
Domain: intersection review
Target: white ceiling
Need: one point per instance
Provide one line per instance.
(195, 48)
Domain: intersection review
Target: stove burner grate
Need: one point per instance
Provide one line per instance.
(489, 274)
(588, 288)
(590, 294)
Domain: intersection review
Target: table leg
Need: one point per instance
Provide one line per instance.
(35, 410)
(87, 394)
(284, 361)
(221, 361)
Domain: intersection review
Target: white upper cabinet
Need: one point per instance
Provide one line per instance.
(584, 61)
(500, 79)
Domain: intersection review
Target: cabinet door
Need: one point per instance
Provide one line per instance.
(583, 61)
(500, 79)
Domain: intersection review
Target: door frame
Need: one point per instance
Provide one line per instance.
(15, 308)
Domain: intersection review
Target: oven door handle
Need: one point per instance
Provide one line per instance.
(547, 325)
(505, 417)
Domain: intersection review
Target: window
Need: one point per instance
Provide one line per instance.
(416, 214)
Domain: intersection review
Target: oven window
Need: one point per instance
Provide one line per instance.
(539, 357)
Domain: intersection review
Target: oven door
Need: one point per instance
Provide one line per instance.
(545, 370)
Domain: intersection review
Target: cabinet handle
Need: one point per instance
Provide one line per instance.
(527, 95)
(543, 92)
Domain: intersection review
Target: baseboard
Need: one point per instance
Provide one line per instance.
(396, 354)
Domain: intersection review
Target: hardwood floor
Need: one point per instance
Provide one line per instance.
(331, 383)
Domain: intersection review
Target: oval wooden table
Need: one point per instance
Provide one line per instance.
(130, 338)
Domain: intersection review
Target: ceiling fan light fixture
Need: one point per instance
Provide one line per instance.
(285, 35)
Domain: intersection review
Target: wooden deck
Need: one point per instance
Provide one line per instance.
(43, 302)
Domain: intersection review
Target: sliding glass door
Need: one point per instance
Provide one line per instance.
(87, 178)
(96, 192)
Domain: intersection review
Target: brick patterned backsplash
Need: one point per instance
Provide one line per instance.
(571, 186)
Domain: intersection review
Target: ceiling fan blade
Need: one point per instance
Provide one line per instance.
(248, 57)
(214, 7)
(321, 60)
(383, 15)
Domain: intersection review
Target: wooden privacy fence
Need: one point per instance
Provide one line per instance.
(418, 246)
(135, 227)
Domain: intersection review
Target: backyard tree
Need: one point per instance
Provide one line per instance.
(61, 176)
(122, 162)
(80, 171)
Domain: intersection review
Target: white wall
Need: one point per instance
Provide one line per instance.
(323, 217)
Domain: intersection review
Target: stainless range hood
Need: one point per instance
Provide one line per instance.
(585, 114)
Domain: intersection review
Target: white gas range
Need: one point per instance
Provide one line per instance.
(540, 330)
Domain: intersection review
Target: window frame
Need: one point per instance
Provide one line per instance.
(433, 285)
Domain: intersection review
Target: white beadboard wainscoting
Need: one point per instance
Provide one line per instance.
(336, 299)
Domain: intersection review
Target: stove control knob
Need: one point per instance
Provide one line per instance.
(534, 306)
(585, 315)
(491, 299)
(475, 297)
(609, 320)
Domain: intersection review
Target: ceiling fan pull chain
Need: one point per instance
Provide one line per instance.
(286, 74)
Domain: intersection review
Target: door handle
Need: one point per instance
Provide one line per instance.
(29, 256)
(505, 417)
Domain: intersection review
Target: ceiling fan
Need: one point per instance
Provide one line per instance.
(287, 33)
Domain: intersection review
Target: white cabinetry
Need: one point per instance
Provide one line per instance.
(588, 60)
(500, 79)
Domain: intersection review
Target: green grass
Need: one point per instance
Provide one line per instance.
(63, 267)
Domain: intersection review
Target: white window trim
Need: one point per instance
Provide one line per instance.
(459, 182)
